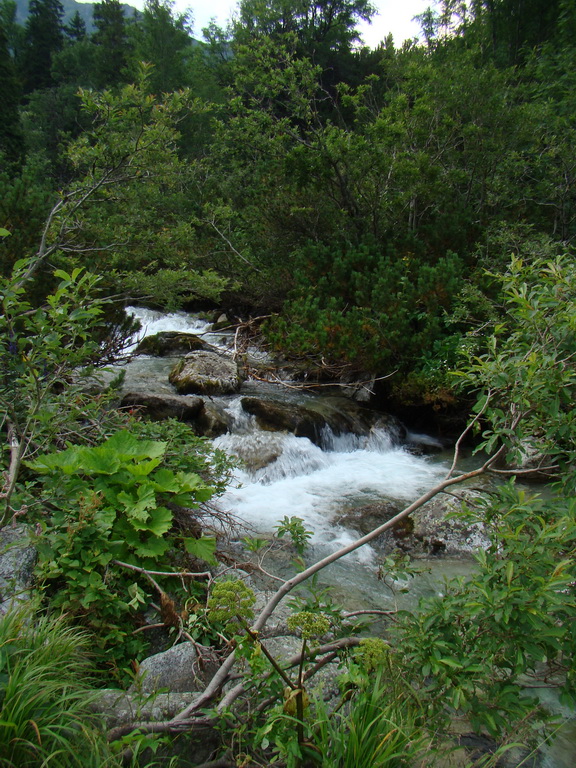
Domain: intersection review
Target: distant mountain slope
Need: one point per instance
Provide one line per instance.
(86, 11)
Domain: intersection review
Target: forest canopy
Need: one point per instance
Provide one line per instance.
(359, 195)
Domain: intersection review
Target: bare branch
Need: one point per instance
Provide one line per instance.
(201, 574)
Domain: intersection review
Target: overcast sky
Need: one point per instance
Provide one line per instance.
(393, 16)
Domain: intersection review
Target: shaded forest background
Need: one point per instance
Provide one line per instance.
(364, 198)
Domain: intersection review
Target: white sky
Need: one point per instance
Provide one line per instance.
(393, 16)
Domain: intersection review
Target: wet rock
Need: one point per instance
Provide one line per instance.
(534, 464)
(159, 407)
(256, 450)
(205, 373)
(174, 669)
(171, 343)
(370, 516)
(320, 420)
(17, 560)
(121, 707)
(212, 422)
(221, 322)
(436, 533)
(288, 417)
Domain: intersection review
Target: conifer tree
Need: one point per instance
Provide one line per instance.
(112, 38)
(162, 39)
(44, 36)
(11, 141)
(76, 30)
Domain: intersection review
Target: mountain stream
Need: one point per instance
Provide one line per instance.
(317, 483)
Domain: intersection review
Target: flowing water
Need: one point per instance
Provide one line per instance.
(286, 476)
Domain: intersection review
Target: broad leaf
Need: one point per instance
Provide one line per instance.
(202, 548)
(127, 446)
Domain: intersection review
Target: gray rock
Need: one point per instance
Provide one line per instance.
(366, 518)
(205, 373)
(436, 533)
(256, 450)
(160, 407)
(122, 707)
(17, 560)
(174, 669)
(320, 419)
(212, 422)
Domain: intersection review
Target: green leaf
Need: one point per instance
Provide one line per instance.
(137, 508)
(143, 468)
(127, 446)
(153, 547)
(160, 521)
(165, 480)
(202, 548)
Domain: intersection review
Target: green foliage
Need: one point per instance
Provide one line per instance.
(44, 36)
(45, 696)
(230, 601)
(470, 646)
(163, 40)
(48, 353)
(134, 220)
(111, 38)
(187, 452)
(112, 503)
(294, 528)
(25, 201)
(376, 729)
(372, 653)
(525, 374)
(309, 625)
(366, 310)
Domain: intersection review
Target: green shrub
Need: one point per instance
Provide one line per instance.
(114, 507)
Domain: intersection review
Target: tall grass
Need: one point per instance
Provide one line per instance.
(45, 695)
(374, 730)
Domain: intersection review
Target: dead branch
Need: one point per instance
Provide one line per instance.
(181, 574)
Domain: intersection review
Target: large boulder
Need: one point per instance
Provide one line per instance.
(212, 422)
(121, 707)
(17, 560)
(206, 373)
(159, 406)
(366, 518)
(256, 450)
(175, 669)
(170, 344)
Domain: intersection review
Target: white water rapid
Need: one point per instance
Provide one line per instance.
(320, 485)
(290, 476)
(153, 322)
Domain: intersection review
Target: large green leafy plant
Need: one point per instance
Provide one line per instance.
(113, 517)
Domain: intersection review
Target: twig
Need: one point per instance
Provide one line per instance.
(464, 433)
(368, 612)
(201, 574)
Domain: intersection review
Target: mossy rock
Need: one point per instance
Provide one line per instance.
(170, 343)
(205, 373)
